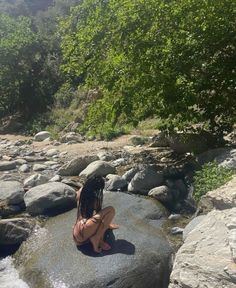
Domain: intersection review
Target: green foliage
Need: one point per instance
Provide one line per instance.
(170, 59)
(37, 123)
(28, 74)
(106, 131)
(210, 177)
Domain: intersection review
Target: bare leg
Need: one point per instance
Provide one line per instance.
(97, 239)
(95, 228)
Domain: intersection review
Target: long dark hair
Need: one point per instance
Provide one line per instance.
(91, 197)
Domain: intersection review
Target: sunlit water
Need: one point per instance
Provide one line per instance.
(9, 276)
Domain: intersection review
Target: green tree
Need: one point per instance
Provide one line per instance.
(27, 79)
(172, 59)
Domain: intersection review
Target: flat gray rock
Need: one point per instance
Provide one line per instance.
(48, 197)
(12, 192)
(139, 256)
(7, 165)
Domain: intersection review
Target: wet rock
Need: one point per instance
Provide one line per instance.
(145, 180)
(42, 136)
(48, 197)
(76, 165)
(181, 187)
(15, 230)
(8, 210)
(7, 165)
(12, 192)
(99, 167)
(139, 256)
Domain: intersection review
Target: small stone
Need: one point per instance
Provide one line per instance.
(39, 167)
(174, 217)
(24, 168)
(176, 230)
(52, 152)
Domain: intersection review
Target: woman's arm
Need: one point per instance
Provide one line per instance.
(78, 195)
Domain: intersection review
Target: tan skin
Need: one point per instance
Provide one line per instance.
(94, 230)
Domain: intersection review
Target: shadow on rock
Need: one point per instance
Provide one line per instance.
(118, 246)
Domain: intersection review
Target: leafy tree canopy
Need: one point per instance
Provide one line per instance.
(172, 59)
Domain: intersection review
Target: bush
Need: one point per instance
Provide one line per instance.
(210, 177)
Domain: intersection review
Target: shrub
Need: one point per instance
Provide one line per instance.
(210, 177)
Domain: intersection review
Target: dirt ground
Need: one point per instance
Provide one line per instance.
(85, 148)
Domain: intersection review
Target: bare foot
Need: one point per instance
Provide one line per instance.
(105, 246)
(95, 243)
(114, 226)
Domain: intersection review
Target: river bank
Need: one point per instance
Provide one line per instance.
(155, 173)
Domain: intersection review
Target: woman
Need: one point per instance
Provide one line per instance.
(93, 221)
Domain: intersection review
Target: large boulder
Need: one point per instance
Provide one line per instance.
(145, 180)
(12, 192)
(99, 167)
(76, 165)
(139, 256)
(191, 142)
(225, 157)
(49, 197)
(15, 231)
(207, 257)
(40, 136)
(222, 198)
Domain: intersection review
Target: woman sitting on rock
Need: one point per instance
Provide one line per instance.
(93, 221)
